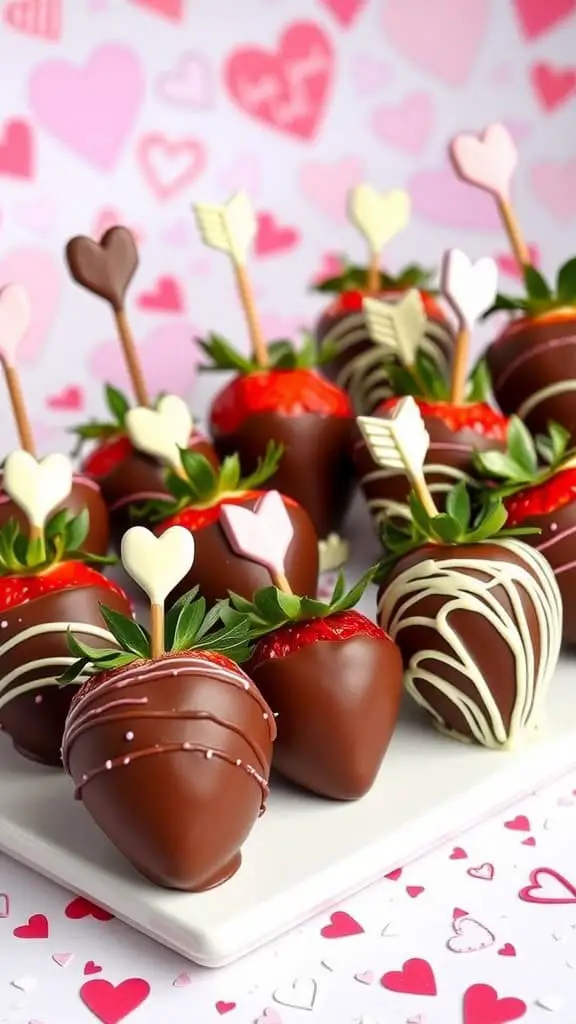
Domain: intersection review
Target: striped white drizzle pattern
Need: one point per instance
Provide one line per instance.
(49, 668)
(451, 580)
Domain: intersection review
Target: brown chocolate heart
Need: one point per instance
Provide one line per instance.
(105, 267)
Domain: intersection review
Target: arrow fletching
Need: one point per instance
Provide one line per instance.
(401, 442)
(399, 327)
(230, 228)
(262, 534)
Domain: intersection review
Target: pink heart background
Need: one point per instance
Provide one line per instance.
(133, 120)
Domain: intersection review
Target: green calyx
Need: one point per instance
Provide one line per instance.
(527, 460)
(425, 380)
(61, 541)
(117, 405)
(353, 278)
(200, 484)
(465, 521)
(272, 608)
(541, 296)
(282, 355)
(188, 627)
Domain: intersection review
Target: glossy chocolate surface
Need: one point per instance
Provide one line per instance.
(85, 494)
(315, 470)
(337, 704)
(449, 449)
(171, 758)
(34, 720)
(217, 569)
(136, 480)
(532, 358)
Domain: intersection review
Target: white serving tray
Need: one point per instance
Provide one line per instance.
(306, 853)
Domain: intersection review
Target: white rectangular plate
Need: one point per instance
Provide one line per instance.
(306, 853)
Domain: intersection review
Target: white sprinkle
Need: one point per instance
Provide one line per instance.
(3, 624)
(275, 713)
(174, 672)
(129, 736)
(25, 984)
(238, 762)
(84, 778)
(209, 754)
(265, 715)
(126, 760)
(108, 765)
(552, 1003)
(38, 698)
(186, 746)
(553, 527)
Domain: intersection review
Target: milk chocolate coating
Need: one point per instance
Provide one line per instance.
(373, 385)
(85, 494)
(557, 543)
(479, 636)
(315, 470)
(188, 744)
(105, 267)
(136, 480)
(455, 450)
(35, 720)
(337, 704)
(528, 358)
(217, 569)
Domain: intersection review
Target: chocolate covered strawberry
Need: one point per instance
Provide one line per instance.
(537, 481)
(45, 588)
(169, 743)
(332, 678)
(277, 395)
(457, 417)
(198, 493)
(476, 612)
(533, 359)
(124, 473)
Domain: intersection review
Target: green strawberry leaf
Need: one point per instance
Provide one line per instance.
(566, 282)
(223, 356)
(187, 625)
(117, 403)
(536, 284)
(458, 505)
(129, 635)
(521, 446)
(480, 383)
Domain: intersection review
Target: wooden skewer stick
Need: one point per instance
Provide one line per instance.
(460, 366)
(19, 410)
(280, 580)
(514, 233)
(157, 630)
(131, 357)
(257, 339)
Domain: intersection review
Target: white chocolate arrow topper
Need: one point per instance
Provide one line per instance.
(157, 564)
(401, 442)
(262, 534)
(398, 327)
(230, 228)
(163, 431)
(378, 217)
(37, 486)
(15, 318)
(470, 288)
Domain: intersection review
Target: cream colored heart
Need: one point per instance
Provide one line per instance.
(157, 564)
(163, 431)
(37, 486)
(379, 217)
(469, 287)
(15, 317)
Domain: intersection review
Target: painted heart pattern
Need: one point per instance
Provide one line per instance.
(416, 978)
(548, 886)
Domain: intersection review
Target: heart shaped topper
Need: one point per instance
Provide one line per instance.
(15, 319)
(378, 217)
(487, 161)
(106, 267)
(262, 534)
(37, 486)
(163, 431)
(470, 288)
(157, 564)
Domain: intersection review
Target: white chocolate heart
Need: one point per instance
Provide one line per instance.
(378, 217)
(15, 317)
(37, 486)
(470, 288)
(157, 564)
(163, 431)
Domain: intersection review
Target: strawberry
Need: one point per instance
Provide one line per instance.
(533, 360)
(456, 434)
(290, 404)
(537, 481)
(332, 678)
(190, 724)
(125, 475)
(85, 495)
(477, 616)
(198, 495)
(353, 359)
(44, 587)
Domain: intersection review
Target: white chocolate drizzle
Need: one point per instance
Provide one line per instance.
(365, 375)
(50, 668)
(469, 585)
(561, 387)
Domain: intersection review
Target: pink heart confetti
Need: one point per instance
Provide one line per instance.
(529, 842)
(458, 853)
(487, 161)
(458, 912)
(483, 871)
(15, 318)
(507, 950)
(518, 824)
(63, 959)
(365, 977)
(393, 876)
(182, 981)
(414, 890)
(270, 1016)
